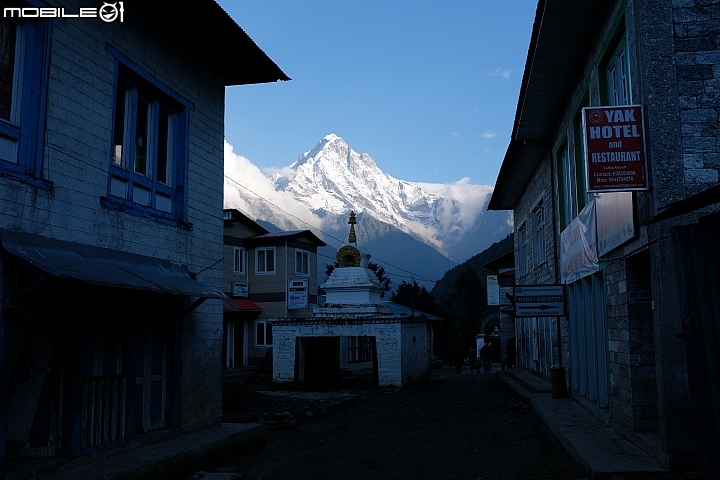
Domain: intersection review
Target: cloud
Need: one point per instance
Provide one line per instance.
(460, 204)
(502, 73)
(249, 190)
(456, 134)
(488, 135)
(485, 151)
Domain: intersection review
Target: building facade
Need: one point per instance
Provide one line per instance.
(617, 253)
(111, 174)
(259, 269)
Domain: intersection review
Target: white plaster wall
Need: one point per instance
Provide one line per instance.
(388, 337)
(415, 357)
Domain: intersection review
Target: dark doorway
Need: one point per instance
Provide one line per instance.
(322, 359)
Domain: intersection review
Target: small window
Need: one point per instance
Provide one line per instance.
(618, 80)
(522, 250)
(23, 90)
(265, 261)
(302, 262)
(263, 334)
(239, 260)
(538, 234)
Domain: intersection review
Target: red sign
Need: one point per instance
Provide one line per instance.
(615, 148)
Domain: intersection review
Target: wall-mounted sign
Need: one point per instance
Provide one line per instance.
(539, 301)
(297, 294)
(639, 297)
(493, 290)
(615, 158)
(240, 289)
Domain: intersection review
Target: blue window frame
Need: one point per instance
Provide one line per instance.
(149, 158)
(24, 60)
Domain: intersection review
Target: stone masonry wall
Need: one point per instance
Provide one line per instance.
(697, 53)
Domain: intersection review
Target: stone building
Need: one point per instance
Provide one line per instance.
(111, 188)
(624, 341)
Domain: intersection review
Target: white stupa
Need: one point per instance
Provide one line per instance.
(352, 289)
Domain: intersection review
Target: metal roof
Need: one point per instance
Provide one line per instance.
(563, 34)
(201, 29)
(291, 234)
(103, 266)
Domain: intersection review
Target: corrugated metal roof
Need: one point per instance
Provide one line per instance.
(202, 30)
(291, 234)
(102, 266)
(240, 305)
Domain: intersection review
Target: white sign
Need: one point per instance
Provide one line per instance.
(615, 220)
(578, 246)
(539, 301)
(240, 289)
(493, 290)
(297, 294)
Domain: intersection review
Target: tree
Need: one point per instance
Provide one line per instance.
(378, 270)
(464, 309)
(416, 297)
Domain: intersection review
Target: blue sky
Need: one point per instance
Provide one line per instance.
(427, 88)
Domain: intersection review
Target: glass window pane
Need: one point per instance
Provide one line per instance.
(261, 260)
(268, 334)
(7, 67)
(259, 333)
(141, 134)
(162, 153)
(119, 127)
(270, 260)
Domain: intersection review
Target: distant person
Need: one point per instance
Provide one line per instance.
(472, 358)
(458, 357)
(511, 352)
(486, 355)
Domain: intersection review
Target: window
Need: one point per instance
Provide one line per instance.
(148, 165)
(359, 349)
(24, 58)
(538, 234)
(522, 250)
(617, 77)
(239, 260)
(302, 262)
(263, 333)
(265, 261)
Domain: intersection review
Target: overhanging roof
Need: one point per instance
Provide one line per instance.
(240, 305)
(563, 33)
(264, 238)
(203, 30)
(102, 266)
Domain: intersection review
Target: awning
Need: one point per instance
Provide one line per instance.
(103, 266)
(240, 305)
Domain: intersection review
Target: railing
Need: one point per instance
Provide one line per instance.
(103, 410)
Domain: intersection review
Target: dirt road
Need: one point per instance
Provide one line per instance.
(467, 426)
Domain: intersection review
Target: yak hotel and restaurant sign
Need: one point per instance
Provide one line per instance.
(615, 148)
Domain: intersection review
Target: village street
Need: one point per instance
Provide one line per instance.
(466, 426)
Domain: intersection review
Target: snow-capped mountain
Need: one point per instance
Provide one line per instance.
(332, 179)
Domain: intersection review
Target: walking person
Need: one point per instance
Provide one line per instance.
(472, 357)
(458, 357)
(486, 355)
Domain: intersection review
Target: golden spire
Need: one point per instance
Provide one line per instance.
(352, 238)
(349, 256)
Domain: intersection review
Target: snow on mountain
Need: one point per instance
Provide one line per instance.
(331, 179)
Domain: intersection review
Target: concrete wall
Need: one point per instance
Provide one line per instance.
(77, 156)
(415, 356)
